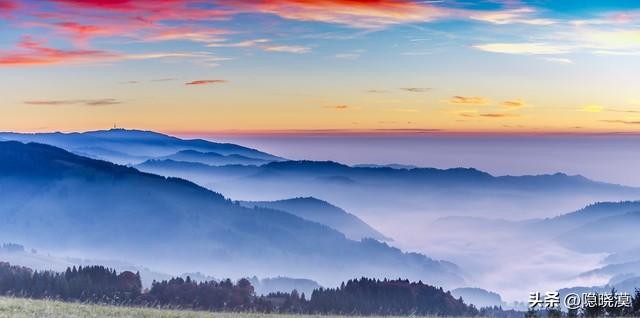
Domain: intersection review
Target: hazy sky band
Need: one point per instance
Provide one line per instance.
(602, 157)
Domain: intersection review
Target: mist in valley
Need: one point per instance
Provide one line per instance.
(270, 217)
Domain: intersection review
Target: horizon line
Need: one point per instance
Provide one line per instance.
(337, 132)
(392, 133)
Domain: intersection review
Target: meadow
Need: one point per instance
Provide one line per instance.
(23, 308)
(27, 308)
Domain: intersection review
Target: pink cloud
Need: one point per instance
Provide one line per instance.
(355, 13)
(7, 5)
(206, 82)
(32, 53)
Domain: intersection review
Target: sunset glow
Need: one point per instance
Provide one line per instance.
(347, 67)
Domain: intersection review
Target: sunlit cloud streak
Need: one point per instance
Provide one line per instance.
(621, 121)
(242, 44)
(338, 107)
(206, 82)
(519, 15)
(358, 14)
(523, 48)
(295, 49)
(513, 104)
(84, 102)
(469, 100)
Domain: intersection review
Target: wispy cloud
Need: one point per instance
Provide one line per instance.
(513, 104)
(595, 108)
(338, 107)
(84, 102)
(523, 48)
(205, 35)
(497, 115)
(511, 16)
(558, 60)
(473, 113)
(263, 44)
(469, 100)
(621, 121)
(626, 111)
(358, 14)
(347, 56)
(245, 43)
(32, 53)
(416, 89)
(206, 82)
(296, 49)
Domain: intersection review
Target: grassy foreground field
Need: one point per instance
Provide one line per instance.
(23, 308)
(26, 308)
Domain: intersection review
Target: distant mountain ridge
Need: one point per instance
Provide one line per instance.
(59, 201)
(316, 210)
(133, 146)
(371, 191)
(213, 158)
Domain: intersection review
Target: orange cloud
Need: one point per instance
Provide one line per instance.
(469, 100)
(513, 104)
(497, 115)
(338, 107)
(206, 82)
(355, 13)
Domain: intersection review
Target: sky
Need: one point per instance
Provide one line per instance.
(330, 67)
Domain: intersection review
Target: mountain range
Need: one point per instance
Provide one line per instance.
(134, 146)
(59, 201)
(323, 212)
(371, 192)
(169, 207)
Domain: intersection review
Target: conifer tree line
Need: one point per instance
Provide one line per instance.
(364, 296)
(94, 284)
(98, 284)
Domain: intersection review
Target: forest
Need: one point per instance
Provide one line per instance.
(364, 296)
(101, 285)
